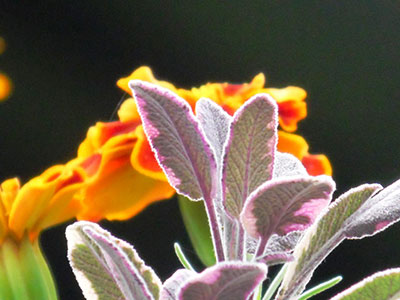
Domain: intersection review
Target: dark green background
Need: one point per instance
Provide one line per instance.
(64, 59)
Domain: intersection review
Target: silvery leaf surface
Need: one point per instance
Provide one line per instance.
(286, 164)
(383, 285)
(321, 238)
(175, 136)
(286, 204)
(215, 124)
(104, 270)
(172, 285)
(249, 151)
(228, 280)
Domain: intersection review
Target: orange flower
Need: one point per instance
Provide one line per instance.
(43, 201)
(5, 82)
(290, 100)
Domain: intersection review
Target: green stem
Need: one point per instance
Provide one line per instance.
(182, 258)
(24, 272)
(320, 288)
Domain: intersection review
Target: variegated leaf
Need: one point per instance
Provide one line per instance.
(249, 151)
(286, 204)
(175, 137)
(172, 285)
(103, 269)
(321, 238)
(383, 285)
(233, 280)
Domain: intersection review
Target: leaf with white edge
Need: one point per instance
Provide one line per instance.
(249, 151)
(383, 285)
(286, 204)
(172, 285)
(215, 124)
(286, 164)
(103, 270)
(322, 237)
(227, 280)
(379, 212)
(174, 134)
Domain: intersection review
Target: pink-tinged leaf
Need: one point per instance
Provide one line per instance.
(172, 285)
(104, 270)
(175, 137)
(286, 204)
(234, 280)
(321, 238)
(215, 124)
(376, 214)
(383, 285)
(249, 151)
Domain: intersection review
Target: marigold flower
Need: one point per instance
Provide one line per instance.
(126, 177)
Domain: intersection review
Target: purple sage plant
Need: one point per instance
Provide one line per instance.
(263, 209)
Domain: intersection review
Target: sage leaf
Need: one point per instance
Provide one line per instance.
(227, 280)
(286, 204)
(249, 152)
(383, 285)
(103, 269)
(175, 137)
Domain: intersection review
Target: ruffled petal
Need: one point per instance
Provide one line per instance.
(292, 107)
(143, 158)
(292, 143)
(118, 191)
(317, 164)
(35, 196)
(142, 73)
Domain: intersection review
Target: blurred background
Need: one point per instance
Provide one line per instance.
(64, 58)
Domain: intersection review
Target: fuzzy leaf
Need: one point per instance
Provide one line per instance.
(286, 204)
(379, 212)
(321, 238)
(286, 164)
(175, 137)
(215, 124)
(224, 281)
(102, 267)
(172, 285)
(383, 285)
(249, 151)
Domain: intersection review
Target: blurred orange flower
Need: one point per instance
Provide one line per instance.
(5, 82)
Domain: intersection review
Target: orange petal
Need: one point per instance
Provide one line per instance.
(292, 107)
(317, 164)
(143, 158)
(98, 135)
(142, 73)
(33, 199)
(128, 111)
(118, 191)
(292, 143)
(8, 192)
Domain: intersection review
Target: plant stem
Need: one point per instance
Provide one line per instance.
(275, 283)
(215, 230)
